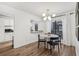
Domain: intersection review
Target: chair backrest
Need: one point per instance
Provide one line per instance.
(60, 35)
(38, 37)
(54, 38)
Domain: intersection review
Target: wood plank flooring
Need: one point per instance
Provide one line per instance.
(5, 46)
(33, 50)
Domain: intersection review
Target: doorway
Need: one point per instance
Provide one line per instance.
(6, 33)
(56, 28)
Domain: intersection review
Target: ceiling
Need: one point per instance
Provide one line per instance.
(37, 8)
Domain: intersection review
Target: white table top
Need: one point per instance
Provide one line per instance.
(48, 35)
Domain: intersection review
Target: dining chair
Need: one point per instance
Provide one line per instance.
(54, 41)
(60, 38)
(41, 40)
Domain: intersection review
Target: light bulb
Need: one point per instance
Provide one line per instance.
(53, 15)
(43, 14)
(49, 17)
(45, 18)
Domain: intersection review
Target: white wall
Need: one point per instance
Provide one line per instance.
(8, 36)
(47, 26)
(9, 22)
(69, 29)
(73, 29)
(22, 19)
(41, 26)
(74, 38)
(1, 30)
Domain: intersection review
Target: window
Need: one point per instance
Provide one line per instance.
(77, 21)
(36, 27)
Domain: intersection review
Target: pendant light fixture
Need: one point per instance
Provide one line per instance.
(47, 16)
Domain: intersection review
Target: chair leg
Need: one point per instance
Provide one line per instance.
(44, 44)
(47, 45)
(60, 44)
(58, 50)
(38, 44)
(53, 47)
(50, 49)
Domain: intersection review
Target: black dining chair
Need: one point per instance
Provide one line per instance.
(41, 40)
(60, 38)
(54, 41)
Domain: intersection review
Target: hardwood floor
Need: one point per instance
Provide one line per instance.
(5, 46)
(33, 50)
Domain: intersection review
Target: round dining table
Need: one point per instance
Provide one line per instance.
(48, 36)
